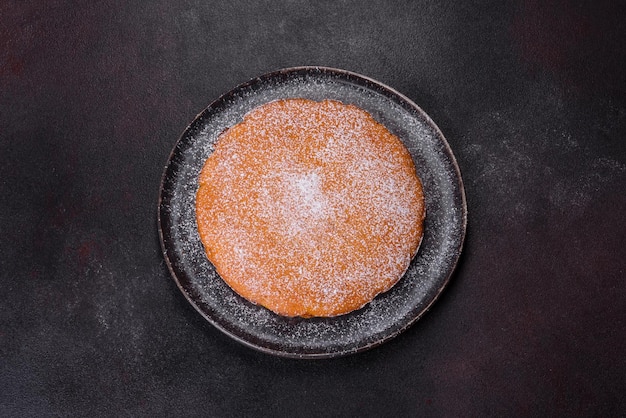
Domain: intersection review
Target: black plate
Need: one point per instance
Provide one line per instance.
(389, 313)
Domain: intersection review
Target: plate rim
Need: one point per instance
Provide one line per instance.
(388, 92)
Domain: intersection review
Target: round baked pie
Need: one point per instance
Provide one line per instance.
(309, 208)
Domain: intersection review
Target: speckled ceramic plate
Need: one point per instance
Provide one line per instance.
(389, 313)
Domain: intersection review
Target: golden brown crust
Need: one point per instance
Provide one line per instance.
(310, 208)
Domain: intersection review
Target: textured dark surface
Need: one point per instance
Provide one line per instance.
(531, 97)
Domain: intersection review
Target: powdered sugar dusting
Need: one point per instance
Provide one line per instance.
(321, 236)
(387, 314)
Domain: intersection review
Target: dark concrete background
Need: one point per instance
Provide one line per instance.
(531, 96)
